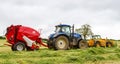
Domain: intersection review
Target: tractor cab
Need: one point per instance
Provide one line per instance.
(65, 38)
(63, 29)
(96, 37)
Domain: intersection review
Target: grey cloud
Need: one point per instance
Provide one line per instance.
(34, 13)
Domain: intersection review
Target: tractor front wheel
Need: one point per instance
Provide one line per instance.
(61, 43)
(83, 44)
(18, 46)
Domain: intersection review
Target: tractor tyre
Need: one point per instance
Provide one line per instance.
(61, 43)
(97, 44)
(108, 44)
(83, 44)
(19, 46)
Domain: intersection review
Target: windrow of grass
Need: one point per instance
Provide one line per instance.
(73, 56)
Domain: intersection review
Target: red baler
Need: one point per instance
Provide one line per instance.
(21, 37)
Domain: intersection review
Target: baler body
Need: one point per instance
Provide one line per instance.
(17, 33)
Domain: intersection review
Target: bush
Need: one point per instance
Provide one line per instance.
(2, 37)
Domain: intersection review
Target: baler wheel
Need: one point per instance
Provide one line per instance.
(18, 46)
(61, 43)
(83, 44)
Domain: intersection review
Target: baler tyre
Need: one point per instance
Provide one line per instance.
(97, 44)
(83, 44)
(18, 46)
(61, 43)
(108, 44)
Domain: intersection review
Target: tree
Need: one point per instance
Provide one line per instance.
(85, 30)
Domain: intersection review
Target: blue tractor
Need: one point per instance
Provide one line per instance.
(64, 38)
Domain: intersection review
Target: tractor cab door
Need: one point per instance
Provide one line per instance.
(66, 30)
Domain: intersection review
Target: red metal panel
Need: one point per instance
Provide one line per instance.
(16, 33)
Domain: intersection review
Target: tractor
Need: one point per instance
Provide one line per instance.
(97, 41)
(64, 38)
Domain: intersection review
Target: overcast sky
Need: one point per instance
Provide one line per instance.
(102, 15)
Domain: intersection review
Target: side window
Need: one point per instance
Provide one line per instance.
(57, 29)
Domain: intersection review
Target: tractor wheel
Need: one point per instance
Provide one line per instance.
(83, 44)
(61, 43)
(18, 46)
(97, 44)
(108, 44)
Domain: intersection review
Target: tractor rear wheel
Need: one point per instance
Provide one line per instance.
(108, 44)
(18, 46)
(61, 43)
(83, 44)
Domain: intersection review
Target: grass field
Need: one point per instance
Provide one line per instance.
(73, 56)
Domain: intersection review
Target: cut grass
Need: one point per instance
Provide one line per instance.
(73, 56)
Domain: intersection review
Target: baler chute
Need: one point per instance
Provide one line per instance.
(22, 37)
